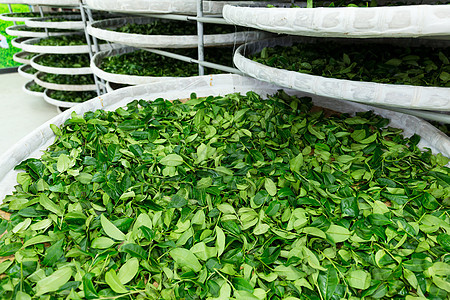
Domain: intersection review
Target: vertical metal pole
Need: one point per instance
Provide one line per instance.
(88, 40)
(11, 11)
(94, 39)
(201, 45)
(42, 16)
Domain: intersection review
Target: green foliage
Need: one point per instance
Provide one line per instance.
(175, 28)
(6, 55)
(382, 63)
(34, 87)
(65, 40)
(228, 197)
(144, 63)
(67, 79)
(68, 96)
(35, 29)
(64, 60)
(30, 70)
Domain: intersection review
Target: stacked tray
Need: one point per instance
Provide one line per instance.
(356, 22)
(106, 30)
(395, 95)
(73, 22)
(21, 30)
(56, 68)
(36, 62)
(188, 7)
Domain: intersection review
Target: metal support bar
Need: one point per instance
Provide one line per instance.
(200, 36)
(429, 115)
(211, 20)
(11, 11)
(193, 60)
(98, 82)
(41, 12)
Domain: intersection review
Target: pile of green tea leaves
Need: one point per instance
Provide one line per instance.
(25, 15)
(65, 40)
(34, 87)
(38, 14)
(31, 55)
(64, 60)
(68, 96)
(382, 63)
(144, 63)
(175, 28)
(67, 79)
(35, 29)
(228, 197)
(30, 70)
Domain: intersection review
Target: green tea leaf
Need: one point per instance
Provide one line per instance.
(114, 283)
(186, 258)
(54, 281)
(128, 270)
(111, 230)
(172, 160)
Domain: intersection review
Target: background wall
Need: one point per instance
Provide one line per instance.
(6, 60)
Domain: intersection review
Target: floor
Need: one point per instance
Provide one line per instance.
(20, 113)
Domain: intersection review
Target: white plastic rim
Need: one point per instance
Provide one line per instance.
(57, 103)
(63, 87)
(8, 17)
(60, 3)
(54, 70)
(13, 2)
(169, 6)
(38, 140)
(121, 78)
(101, 30)
(30, 46)
(20, 57)
(357, 22)
(18, 42)
(13, 30)
(75, 22)
(26, 87)
(21, 70)
(395, 95)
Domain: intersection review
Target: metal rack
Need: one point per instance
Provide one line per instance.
(200, 60)
(86, 16)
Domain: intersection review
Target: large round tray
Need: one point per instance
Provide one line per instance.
(76, 23)
(63, 87)
(30, 46)
(20, 57)
(357, 22)
(26, 90)
(13, 30)
(38, 140)
(100, 29)
(169, 6)
(395, 95)
(57, 103)
(21, 70)
(120, 78)
(18, 42)
(54, 70)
